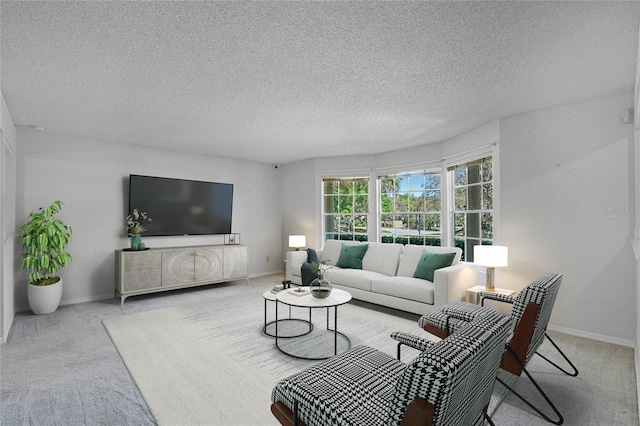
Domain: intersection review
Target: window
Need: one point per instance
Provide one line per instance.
(346, 208)
(444, 203)
(472, 199)
(410, 207)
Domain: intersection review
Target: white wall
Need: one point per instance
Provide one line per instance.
(91, 178)
(566, 181)
(567, 189)
(299, 202)
(8, 150)
(636, 184)
(559, 169)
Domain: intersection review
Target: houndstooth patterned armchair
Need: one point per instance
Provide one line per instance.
(530, 314)
(449, 383)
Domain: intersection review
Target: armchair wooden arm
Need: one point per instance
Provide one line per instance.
(419, 413)
(284, 415)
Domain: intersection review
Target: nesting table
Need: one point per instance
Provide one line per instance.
(335, 299)
(271, 297)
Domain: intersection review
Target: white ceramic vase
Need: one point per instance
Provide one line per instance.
(44, 299)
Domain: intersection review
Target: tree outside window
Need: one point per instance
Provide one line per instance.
(410, 207)
(346, 208)
(473, 204)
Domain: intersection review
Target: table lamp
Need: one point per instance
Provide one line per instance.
(490, 257)
(297, 241)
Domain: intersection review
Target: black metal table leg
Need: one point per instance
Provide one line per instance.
(290, 318)
(335, 330)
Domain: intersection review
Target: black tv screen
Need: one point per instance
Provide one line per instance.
(182, 207)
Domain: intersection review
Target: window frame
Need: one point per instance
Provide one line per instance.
(415, 172)
(374, 213)
(457, 160)
(324, 215)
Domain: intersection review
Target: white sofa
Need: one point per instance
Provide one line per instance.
(386, 277)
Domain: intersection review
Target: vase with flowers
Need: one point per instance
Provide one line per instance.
(135, 228)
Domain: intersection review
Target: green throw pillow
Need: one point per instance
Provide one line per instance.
(430, 261)
(351, 256)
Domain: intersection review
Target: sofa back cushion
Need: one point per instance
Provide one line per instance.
(411, 256)
(382, 258)
(331, 251)
(351, 256)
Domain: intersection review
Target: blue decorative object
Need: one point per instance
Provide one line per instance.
(136, 242)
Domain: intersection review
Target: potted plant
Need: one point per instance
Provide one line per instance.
(135, 229)
(44, 239)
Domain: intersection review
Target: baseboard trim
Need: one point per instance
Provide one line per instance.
(593, 336)
(87, 299)
(73, 301)
(636, 357)
(111, 295)
(264, 274)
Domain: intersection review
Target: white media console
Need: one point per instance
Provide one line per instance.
(170, 268)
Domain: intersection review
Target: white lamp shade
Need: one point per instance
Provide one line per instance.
(491, 256)
(297, 240)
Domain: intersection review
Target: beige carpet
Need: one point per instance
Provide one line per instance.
(210, 363)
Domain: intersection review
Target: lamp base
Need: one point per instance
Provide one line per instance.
(490, 280)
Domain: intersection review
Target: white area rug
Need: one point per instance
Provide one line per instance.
(210, 363)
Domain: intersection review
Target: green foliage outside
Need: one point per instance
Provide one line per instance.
(347, 237)
(411, 207)
(411, 201)
(346, 204)
(414, 241)
(44, 240)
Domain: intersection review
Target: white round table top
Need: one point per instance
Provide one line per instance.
(337, 297)
(269, 295)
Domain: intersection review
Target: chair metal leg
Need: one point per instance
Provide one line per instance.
(488, 419)
(399, 346)
(544, 395)
(575, 370)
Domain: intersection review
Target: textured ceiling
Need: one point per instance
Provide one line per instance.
(282, 81)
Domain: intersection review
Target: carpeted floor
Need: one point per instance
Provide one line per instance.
(63, 368)
(183, 358)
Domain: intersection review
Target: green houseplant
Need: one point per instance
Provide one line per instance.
(44, 239)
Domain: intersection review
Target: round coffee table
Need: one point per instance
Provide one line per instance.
(336, 298)
(270, 296)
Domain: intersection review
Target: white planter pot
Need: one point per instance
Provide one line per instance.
(44, 299)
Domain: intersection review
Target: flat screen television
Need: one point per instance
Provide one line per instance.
(182, 207)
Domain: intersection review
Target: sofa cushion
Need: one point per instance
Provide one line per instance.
(430, 261)
(331, 250)
(408, 288)
(351, 256)
(355, 278)
(382, 257)
(411, 256)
